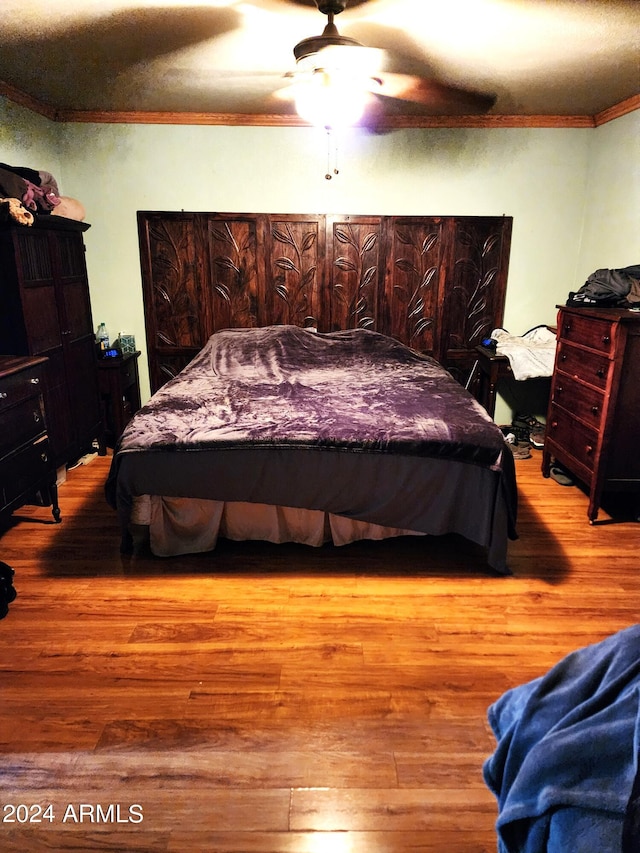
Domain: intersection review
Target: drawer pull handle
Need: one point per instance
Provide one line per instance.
(35, 381)
(595, 410)
(554, 424)
(563, 357)
(606, 340)
(589, 449)
(36, 417)
(600, 373)
(559, 389)
(44, 457)
(3, 395)
(567, 327)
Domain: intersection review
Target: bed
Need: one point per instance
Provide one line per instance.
(285, 434)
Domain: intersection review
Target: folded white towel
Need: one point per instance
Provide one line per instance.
(530, 355)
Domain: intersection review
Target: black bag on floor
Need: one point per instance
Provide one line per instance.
(7, 591)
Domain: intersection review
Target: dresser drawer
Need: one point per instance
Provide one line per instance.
(21, 424)
(129, 374)
(17, 387)
(591, 367)
(576, 438)
(582, 401)
(22, 471)
(588, 331)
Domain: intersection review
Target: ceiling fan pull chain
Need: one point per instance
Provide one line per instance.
(335, 171)
(328, 174)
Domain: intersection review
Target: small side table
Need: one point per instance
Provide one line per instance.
(120, 395)
(492, 368)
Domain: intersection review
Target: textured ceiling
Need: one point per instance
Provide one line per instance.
(537, 57)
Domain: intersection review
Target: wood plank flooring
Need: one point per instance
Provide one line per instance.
(281, 699)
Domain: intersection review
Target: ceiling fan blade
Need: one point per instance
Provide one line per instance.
(437, 98)
(368, 61)
(285, 93)
(401, 80)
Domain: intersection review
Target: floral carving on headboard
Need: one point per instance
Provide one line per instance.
(418, 282)
(173, 256)
(295, 271)
(355, 290)
(234, 273)
(473, 286)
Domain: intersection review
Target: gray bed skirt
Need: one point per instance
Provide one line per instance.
(426, 495)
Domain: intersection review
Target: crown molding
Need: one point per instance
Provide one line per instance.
(272, 120)
(17, 96)
(621, 109)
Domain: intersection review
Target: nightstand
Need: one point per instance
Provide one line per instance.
(120, 394)
(491, 369)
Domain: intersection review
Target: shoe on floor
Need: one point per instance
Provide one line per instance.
(526, 421)
(524, 425)
(520, 451)
(536, 437)
(561, 476)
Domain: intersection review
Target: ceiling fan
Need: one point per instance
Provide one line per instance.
(337, 80)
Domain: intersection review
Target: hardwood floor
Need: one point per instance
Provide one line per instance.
(281, 699)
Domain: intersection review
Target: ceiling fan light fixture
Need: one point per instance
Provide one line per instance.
(333, 74)
(331, 98)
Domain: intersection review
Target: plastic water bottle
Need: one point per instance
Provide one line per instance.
(102, 337)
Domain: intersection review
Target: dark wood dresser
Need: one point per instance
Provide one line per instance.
(593, 422)
(45, 310)
(27, 470)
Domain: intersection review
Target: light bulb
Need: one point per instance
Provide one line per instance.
(331, 98)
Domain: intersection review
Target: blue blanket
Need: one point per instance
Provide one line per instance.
(567, 752)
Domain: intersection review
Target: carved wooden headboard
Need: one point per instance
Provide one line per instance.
(436, 283)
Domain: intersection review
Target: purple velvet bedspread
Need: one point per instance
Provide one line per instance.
(285, 386)
(350, 422)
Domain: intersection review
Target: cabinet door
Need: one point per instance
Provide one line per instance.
(59, 409)
(37, 282)
(83, 392)
(78, 342)
(73, 292)
(78, 335)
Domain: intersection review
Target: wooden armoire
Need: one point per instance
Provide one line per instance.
(45, 310)
(435, 283)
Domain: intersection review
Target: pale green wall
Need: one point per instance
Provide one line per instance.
(545, 178)
(536, 176)
(611, 236)
(27, 139)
